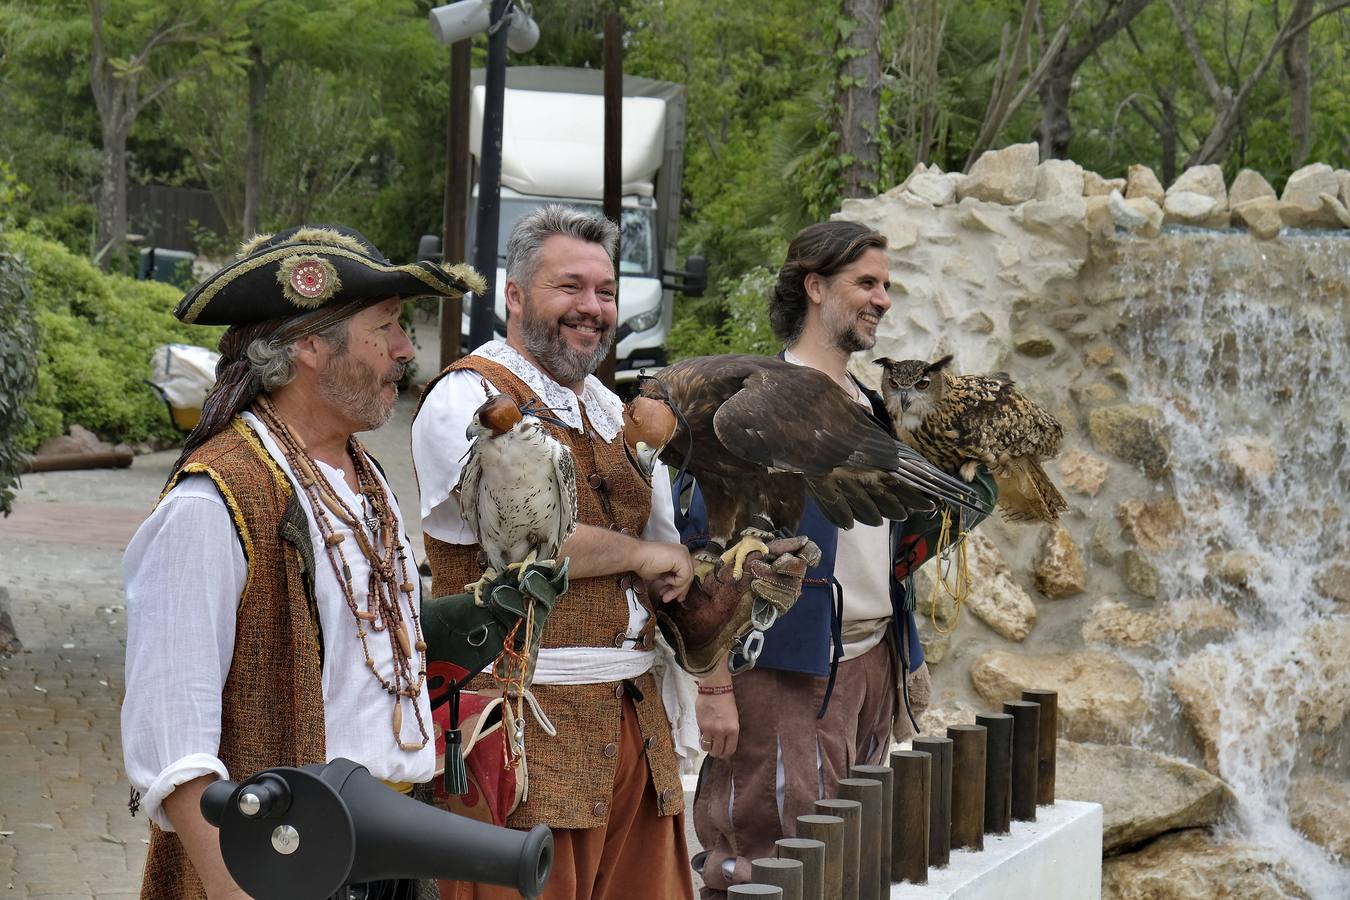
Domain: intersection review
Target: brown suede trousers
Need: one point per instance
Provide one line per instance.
(736, 809)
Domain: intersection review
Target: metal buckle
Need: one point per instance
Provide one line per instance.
(481, 629)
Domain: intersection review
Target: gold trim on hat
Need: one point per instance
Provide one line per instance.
(446, 285)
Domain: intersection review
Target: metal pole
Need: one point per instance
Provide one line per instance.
(913, 786)
(456, 193)
(887, 779)
(940, 799)
(490, 179)
(779, 872)
(1026, 738)
(851, 812)
(829, 830)
(997, 772)
(811, 854)
(967, 786)
(613, 176)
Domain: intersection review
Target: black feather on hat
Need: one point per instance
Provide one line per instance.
(276, 276)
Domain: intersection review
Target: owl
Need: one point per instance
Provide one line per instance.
(959, 421)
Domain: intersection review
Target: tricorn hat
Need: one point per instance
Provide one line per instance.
(302, 269)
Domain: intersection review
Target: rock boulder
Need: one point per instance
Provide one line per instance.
(1100, 697)
(1153, 525)
(1003, 176)
(1133, 432)
(1301, 205)
(1081, 472)
(1320, 808)
(1140, 182)
(1194, 865)
(1059, 571)
(995, 596)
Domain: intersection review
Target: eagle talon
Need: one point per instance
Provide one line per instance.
(752, 541)
(705, 563)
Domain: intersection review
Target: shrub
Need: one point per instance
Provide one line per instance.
(742, 311)
(18, 372)
(95, 336)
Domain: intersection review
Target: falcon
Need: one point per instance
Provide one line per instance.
(960, 421)
(518, 488)
(759, 434)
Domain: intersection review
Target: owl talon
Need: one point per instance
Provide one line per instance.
(968, 469)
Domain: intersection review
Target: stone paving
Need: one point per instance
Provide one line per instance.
(64, 827)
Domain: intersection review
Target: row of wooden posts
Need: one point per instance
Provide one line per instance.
(891, 823)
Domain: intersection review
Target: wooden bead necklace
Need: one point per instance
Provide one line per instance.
(388, 565)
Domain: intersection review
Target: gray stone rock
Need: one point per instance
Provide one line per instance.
(1153, 525)
(1135, 433)
(936, 189)
(1033, 344)
(1101, 698)
(1059, 178)
(1139, 575)
(1261, 216)
(995, 596)
(1059, 571)
(1194, 865)
(1149, 209)
(1301, 205)
(1142, 794)
(1095, 185)
(1320, 808)
(1081, 472)
(1249, 185)
(1191, 208)
(1115, 624)
(1205, 180)
(79, 440)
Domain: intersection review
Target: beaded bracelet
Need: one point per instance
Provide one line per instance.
(714, 689)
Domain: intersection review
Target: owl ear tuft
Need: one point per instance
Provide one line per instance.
(885, 361)
(940, 364)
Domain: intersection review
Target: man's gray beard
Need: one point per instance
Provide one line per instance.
(849, 341)
(353, 387)
(546, 344)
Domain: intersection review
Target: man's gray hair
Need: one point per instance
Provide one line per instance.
(273, 364)
(527, 238)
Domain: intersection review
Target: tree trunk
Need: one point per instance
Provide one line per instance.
(1298, 69)
(1055, 128)
(253, 159)
(112, 201)
(860, 97)
(1167, 119)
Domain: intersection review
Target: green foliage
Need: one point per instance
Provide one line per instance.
(739, 323)
(95, 336)
(18, 371)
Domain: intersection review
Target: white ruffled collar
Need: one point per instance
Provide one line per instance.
(603, 407)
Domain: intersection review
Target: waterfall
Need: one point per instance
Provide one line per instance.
(1243, 346)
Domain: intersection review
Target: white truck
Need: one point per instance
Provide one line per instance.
(553, 152)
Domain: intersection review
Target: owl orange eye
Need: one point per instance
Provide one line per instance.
(922, 383)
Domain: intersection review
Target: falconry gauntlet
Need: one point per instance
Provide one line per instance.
(722, 615)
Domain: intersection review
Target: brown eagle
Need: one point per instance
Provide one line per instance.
(759, 433)
(959, 421)
(518, 488)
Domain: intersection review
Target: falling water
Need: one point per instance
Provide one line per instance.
(1243, 346)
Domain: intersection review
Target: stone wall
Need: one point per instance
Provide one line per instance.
(1051, 273)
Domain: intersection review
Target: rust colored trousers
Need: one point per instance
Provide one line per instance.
(636, 854)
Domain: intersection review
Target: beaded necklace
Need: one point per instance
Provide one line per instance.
(388, 565)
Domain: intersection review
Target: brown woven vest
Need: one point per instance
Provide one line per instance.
(272, 709)
(572, 774)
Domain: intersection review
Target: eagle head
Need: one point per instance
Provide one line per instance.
(648, 425)
(496, 416)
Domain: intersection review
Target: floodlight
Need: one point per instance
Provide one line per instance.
(459, 21)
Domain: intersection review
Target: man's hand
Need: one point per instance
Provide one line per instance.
(667, 569)
(719, 723)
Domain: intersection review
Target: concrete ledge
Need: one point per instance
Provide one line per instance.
(1057, 857)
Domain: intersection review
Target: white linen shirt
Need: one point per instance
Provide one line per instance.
(439, 445)
(184, 573)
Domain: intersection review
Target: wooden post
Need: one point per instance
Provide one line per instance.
(456, 212)
(829, 830)
(911, 810)
(867, 791)
(782, 873)
(887, 779)
(940, 798)
(1026, 738)
(851, 812)
(763, 891)
(997, 772)
(612, 70)
(811, 854)
(968, 753)
(1045, 747)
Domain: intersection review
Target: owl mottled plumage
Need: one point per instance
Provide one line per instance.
(960, 421)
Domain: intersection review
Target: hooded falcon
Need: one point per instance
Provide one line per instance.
(518, 489)
(759, 433)
(959, 421)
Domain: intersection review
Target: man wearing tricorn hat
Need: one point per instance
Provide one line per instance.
(272, 601)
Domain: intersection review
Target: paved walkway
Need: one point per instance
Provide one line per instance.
(64, 827)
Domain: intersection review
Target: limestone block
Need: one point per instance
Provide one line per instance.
(1095, 185)
(1033, 344)
(1150, 210)
(1133, 432)
(1251, 459)
(1205, 180)
(1142, 794)
(1249, 185)
(1101, 224)
(1141, 183)
(978, 323)
(1125, 216)
(1194, 614)
(1301, 205)
(936, 189)
(1063, 219)
(1100, 697)
(979, 215)
(1059, 178)
(1324, 705)
(936, 719)
(1198, 682)
(1081, 472)
(1102, 355)
(1094, 394)
(1003, 176)
(1153, 525)
(1190, 208)
(1261, 216)
(1114, 623)
(1139, 575)
(1320, 808)
(1343, 176)
(1334, 582)
(1334, 206)
(1237, 568)
(1195, 865)
(1103, 543)
(1059, 570)
(995, 596)
(900, 234)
